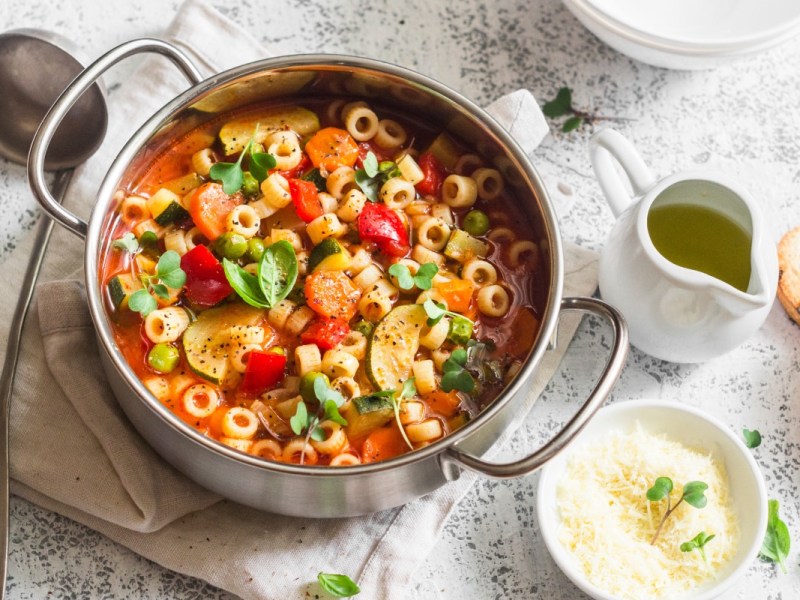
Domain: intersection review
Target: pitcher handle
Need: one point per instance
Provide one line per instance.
(607, 144)
(70, 96)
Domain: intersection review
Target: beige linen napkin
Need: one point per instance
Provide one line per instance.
(74, 452)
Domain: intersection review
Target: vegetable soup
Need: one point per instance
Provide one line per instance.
(324, 283)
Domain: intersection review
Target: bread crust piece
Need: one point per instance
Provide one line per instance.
(789, 269)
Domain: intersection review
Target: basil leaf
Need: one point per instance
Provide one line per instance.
(777, 542)
(370, 163)
(369, 185)
(340, 586)
(299, 421)
(244, 284)
(142, 302)
(127, 242)
(277, 272)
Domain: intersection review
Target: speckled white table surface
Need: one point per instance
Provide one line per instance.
(743, 119)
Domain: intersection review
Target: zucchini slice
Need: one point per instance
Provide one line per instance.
(393, 345)
(462, 247)
(206, 342)
(120, 288)
(234, 135)
(367, 413)
(165, 207)
(329, 255)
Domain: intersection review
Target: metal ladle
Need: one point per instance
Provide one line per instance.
(35, 67)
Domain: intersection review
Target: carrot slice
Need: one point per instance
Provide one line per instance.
(382, 444)
(457, 293)
(210, 206)
(331, 148)
(443, 403)
(332, 294)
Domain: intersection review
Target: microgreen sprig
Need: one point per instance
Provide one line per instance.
(752, 438)
(329, 402)
(693, 494)
(168, 275)
(454, 373)
(777, 542)
(396, 397)
(127, 242)
(699, 541)
(561, 106)
(373, 175)
(423, 279)
(231, 175)
(436, 311)
(340, 586)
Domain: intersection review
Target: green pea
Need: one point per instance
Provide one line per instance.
(255, 249)
(307, 385)
(163, 358)
(476, 222)
(231, 245)
(250, 185)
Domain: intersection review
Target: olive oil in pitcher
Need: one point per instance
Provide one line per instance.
(703, 239)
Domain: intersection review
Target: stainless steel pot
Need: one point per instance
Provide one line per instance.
(294, 489)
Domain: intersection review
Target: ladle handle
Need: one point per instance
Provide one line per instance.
(453, 457)
(606, 146)
(68, 98)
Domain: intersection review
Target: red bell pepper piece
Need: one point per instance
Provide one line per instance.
(380, 224)
(263, 371)
(434, 173)
(303, 166)
(306, 199)
(325, 333)
(206, 284)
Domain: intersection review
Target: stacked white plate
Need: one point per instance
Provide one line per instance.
(689, 34)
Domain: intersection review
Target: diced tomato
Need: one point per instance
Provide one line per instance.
(434, 173)
(332, 294)
(303, 166)
(325, 333)
(382, 444)
(306, 199)
(210, 206)
(263, 371)
(206, 284)
(331, 148)
(380, 224)
(365, 148)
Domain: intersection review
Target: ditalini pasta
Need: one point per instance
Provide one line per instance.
(329, 283)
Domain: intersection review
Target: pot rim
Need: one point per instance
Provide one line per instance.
(465, 106)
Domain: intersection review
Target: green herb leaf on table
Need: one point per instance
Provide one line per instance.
(698, 542)
(571, 124)
(560, 105)
(340, 586)
(777, 542)
(752, 439)
(277, 272)
(127, 242)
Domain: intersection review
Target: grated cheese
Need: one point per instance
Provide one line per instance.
(607, 522)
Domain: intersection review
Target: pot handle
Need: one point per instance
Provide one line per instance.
(453, 457)
(609, 144)
(70, 96)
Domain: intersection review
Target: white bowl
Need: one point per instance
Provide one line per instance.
(686, 34)
(693, 428)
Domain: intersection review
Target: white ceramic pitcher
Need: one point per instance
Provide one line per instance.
(676, 313)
